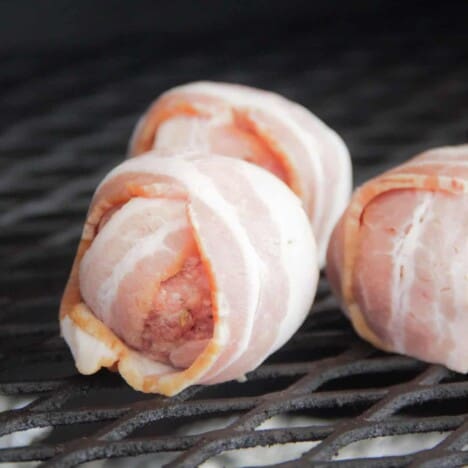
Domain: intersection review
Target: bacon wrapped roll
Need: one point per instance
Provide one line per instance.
(191, 270)
(398, 258)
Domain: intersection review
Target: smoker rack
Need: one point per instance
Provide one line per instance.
(64, 126)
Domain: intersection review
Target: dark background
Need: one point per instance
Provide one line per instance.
(56, 25)
(384, 54)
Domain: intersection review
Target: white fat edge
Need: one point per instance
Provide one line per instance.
(441, 154)
(144, 164)
(341, 196)
(266, 103)
(136, 362)
(404, 249)
(454, 362)
(297, 249)
(142, 248)
(90, 354)
(437, 314)
(342, 187)
(439, 162)
(182, 169)
(181, 133)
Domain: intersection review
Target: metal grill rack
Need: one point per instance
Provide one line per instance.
(65, 120)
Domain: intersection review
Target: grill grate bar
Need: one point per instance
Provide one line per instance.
(397, 398)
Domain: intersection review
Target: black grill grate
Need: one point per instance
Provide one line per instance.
(66, 120)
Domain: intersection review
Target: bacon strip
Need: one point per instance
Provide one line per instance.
(397, 258)
(260, 127)
(156, 228)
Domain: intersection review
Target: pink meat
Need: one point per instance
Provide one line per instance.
(409, 277)
(181, 317)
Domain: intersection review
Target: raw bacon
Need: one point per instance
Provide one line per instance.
(191, 269)
(398, 258)
(260, 127)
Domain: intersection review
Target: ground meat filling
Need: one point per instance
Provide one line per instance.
(181, 322)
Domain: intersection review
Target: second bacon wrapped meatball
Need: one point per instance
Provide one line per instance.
(260, 127)
(398, 258)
